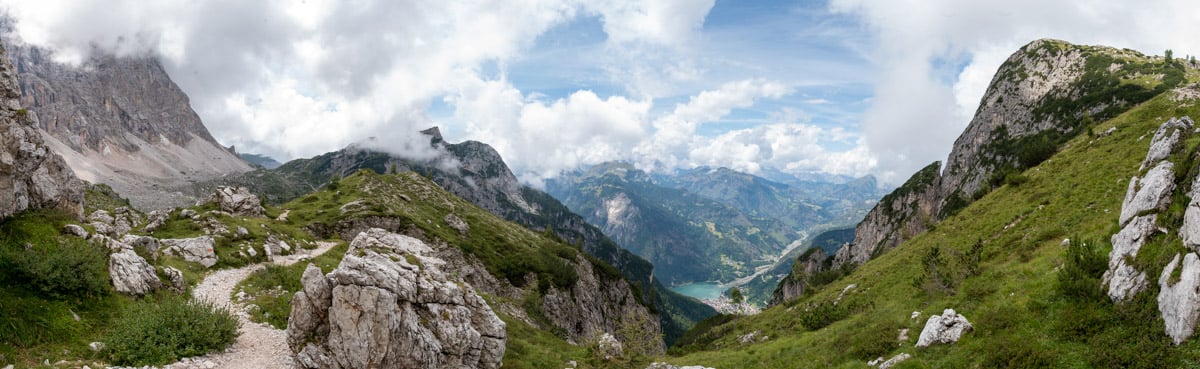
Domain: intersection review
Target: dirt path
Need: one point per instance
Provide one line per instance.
(258, 346)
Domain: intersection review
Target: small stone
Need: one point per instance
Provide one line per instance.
(96, 346)
(242, 232)
(75, 230)
(915, 314)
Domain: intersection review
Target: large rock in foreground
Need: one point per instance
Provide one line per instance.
(390, 305)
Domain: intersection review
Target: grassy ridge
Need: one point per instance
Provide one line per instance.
(1012, 299)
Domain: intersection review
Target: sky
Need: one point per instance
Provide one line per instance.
(848, 87)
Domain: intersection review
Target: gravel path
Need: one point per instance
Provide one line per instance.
(259, 346)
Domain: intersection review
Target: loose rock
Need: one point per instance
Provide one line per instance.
(945, 328)
(131, 274)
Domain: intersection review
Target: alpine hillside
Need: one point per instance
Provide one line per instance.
(1040, 269)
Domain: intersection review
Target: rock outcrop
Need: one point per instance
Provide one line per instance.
(32, 175)
(946, 328)
(1146, 196)
(237, 201)
(131, 273)
(1179, 301)
(390, 304)
(797, 281)
(880, 363)
(121, 121)
(900, 215)
(196, 249)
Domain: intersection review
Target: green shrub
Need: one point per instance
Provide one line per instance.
(33, 254)
(1079, 278)
(817, 316)
(165, 328)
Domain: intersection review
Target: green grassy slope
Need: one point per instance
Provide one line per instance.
(1021, 317)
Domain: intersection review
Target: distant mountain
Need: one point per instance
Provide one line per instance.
(476, 172)
(121, 122)
(264, 161)
(709, 224)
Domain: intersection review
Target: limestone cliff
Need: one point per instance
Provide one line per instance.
(31, 174)
(122, 122)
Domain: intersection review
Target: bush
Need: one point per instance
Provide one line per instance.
(163, 329)
(34, 255)
(817, 316)
(1079, 279)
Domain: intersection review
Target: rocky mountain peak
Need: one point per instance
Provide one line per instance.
(1044, 94)
(121, 121)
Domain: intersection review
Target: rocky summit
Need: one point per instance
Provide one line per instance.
(121, 121)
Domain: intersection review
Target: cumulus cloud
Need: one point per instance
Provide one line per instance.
(936, 58)
(296, 78)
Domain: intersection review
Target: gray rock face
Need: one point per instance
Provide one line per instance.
(1151, 192)
(196, 250)
(1179, 302)
(131, 274)
(793, 285)
(1167, 140)
(75, 230)
(594, 307)
(1122, 280)
(1037, 71)
(175, 276)
(389, 304)
(123, 122)
(150, 244)
(1146, 196)
(894, 219)
(945, 328)
(155, 219)
(237, 201)
(32, 176)
(274, 246)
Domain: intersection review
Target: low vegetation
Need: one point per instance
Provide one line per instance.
(164, 328)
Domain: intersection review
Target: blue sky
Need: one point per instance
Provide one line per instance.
(850, 87)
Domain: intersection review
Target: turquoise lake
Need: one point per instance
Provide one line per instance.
(702, 291)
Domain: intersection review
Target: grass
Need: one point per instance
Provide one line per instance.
(271, 289)
(1022, 316)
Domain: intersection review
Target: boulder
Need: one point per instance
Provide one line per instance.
(1167, 140)
(196, 250)
(155, 220)
(1122, 280)
(609, 347)
(131, 274)
(237, 201)
(75, 230)
(1179, 302)
(1151, 192)
(150, 244)
(274, 246)
(389, 304)
(945, 328)
(175, 276)
(457, 223)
